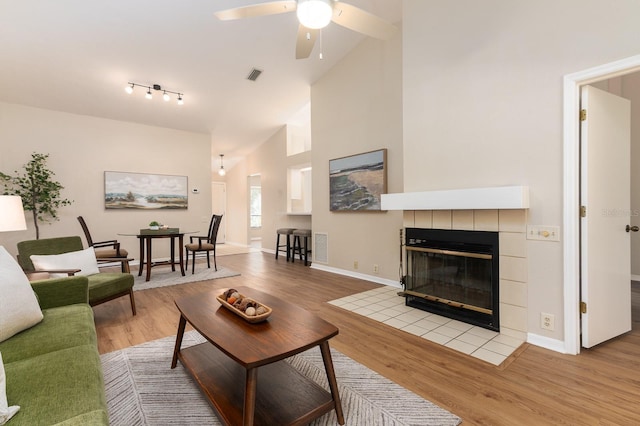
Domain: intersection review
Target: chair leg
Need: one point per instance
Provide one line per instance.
(186, 261)
(278, 246)
(288, 247)
(133, 302)
(208, 261)
(215, 265)
(193, 263)
(296, 244)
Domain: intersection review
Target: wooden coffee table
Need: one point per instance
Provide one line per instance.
(237, 353)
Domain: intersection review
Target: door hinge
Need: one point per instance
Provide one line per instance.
(583, 307)
(583, 211)
(583, 114)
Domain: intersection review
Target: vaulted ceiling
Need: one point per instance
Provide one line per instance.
(77, 56)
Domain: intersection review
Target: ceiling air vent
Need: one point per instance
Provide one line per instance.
(254, 74)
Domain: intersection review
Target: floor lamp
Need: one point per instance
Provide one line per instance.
(11, 214)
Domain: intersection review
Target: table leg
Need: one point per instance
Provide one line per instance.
(181, 246)
(331, 376)
(181, 326)
(141, 265)
(250, 390)
(173, 253)
(148, 258)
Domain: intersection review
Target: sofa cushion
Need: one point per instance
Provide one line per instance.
(61, 328)
(19, 307)
(56, 386)
(85, 260)
(6, 411)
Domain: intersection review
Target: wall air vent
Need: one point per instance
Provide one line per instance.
(321, 247)
(254, 74)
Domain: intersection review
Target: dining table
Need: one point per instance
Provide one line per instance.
(146, 237)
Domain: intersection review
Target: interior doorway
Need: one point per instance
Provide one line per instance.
(571, 232)
(255, 211)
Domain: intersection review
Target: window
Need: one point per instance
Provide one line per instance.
(256, 206)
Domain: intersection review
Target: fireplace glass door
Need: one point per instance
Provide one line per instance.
(454, 274)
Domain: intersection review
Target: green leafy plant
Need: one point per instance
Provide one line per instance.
(39, 192)
(154, 223)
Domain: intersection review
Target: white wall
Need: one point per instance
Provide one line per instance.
(82, 148)
(483, 104)
(357, 107)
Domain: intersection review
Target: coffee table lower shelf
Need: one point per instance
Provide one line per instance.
(284, 396)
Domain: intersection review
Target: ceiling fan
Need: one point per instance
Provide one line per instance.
(314, 15)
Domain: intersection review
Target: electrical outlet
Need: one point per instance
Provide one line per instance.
(375, 268)
(547, 321)
(355, 264)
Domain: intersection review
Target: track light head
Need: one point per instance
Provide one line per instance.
(180, 100)
(166, 96)
(148, 95)
(129, 88)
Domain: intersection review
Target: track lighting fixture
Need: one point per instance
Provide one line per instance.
(221, 172)
(149, 95)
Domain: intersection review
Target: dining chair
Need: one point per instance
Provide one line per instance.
(204, 243)
(105, 250)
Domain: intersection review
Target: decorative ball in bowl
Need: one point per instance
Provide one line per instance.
(244, 306)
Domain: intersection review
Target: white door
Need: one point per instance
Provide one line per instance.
(605, 192)
(219, 206)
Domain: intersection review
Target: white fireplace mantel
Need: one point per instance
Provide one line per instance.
(498, 197)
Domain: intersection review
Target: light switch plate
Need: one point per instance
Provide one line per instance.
(543, 233)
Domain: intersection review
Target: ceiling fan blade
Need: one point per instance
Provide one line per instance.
(262, 9)
(305, 41)
(363, 22)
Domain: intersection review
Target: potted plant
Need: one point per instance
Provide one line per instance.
(40, 193)
(154, 226)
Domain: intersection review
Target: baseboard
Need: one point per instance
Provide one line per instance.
(546, 342)
(371, 278)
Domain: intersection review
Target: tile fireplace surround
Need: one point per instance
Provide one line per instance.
(511, 227)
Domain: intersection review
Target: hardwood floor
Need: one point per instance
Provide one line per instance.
(534, 387)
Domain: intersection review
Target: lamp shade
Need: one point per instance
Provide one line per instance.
(11, 214)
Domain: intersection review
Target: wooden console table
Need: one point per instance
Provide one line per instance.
(226, 367)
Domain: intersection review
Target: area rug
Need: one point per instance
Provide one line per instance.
(165, 276)
(141, 389)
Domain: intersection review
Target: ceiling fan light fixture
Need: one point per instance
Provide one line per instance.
(314, 14)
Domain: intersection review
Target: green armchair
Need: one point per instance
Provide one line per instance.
(103, 286)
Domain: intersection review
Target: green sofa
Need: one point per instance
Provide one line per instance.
(53, 369)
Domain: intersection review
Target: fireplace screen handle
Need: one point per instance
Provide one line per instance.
(632, 228)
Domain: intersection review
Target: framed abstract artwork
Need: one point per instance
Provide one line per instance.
(357, 182)
(142, 191)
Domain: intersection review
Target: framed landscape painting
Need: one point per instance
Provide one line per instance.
(357, 182)
(123, 190)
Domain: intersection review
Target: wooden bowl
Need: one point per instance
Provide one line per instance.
(251, 319)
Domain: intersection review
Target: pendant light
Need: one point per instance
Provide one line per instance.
(221, 172)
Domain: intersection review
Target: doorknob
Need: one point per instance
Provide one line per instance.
(631, 228)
